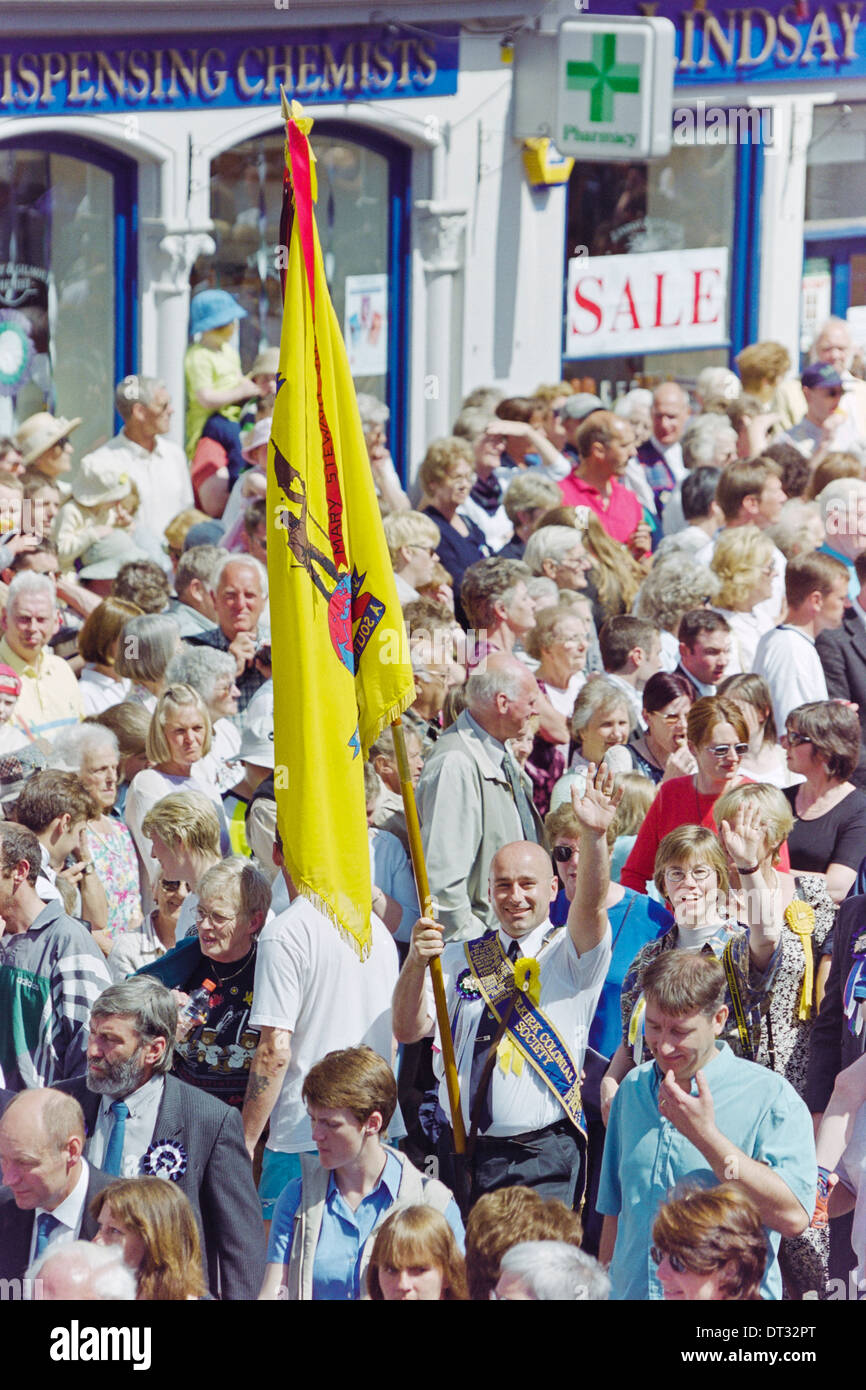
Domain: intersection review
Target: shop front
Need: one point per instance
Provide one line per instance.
(752, 227)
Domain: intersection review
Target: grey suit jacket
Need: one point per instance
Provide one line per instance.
(16, 1226)
(218, 1181)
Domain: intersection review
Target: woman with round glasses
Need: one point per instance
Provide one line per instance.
(710, 1245)
(829, 834)
(663, 751)
(234, 899)
(718, 738)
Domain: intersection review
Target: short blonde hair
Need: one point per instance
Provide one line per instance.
(599, 695)
(442, 457)
(741, 553)
(409, 528)
(690, 844)
(185, 820)
(174, 698)
(776, 817)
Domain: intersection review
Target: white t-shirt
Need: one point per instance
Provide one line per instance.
(310, 982)
(788, 661)
(570, 991)
(99, 692)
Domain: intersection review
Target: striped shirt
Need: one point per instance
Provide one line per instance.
(50, 976)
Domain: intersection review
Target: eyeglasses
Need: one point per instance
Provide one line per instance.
(562, 853)
(668, 718)
(700, 873)
(202, 914)
(791, 736)
(721, 750)
(677, 1265)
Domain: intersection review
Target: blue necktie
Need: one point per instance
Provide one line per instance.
(45, 1224)
(114, 1149)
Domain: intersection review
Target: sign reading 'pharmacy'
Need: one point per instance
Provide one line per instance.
(50, 77)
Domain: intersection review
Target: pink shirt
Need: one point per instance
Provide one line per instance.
(619, 513)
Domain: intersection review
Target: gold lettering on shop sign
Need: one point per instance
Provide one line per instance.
(79, 71)
(273, 82)
(713, 31)
(747, 59)
(308, 57)
(213, 83)
(336, 78)
(248, 88)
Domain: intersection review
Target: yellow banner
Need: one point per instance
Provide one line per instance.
(334, 608)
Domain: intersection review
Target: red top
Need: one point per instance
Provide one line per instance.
(619, 513)
(677, 802)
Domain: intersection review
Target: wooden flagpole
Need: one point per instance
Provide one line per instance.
(420, 869)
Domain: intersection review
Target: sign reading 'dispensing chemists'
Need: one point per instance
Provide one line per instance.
(48, 76)
(652, 302)
(615, 81)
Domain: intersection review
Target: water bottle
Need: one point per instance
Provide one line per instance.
(195, 1010)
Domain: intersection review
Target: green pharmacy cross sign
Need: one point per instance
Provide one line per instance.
(602, 77)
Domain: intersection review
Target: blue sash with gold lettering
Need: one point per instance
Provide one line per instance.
(528, 1028)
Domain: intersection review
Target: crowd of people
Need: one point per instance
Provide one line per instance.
(638, 744)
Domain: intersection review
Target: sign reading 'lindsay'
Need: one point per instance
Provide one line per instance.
(781, 40)
(53, 77)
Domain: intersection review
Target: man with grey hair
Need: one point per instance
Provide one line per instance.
(142, 1120)
(239, 592)
(47, 1182)
(156, 465)
(82, 1272)
(843, 512)
(551, 1270)
(193, 609)
(473, 798)
(50, 699)
(709, 441)
(662, 454)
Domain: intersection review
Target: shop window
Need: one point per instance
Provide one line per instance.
(57, 291)
(836, 164)
(352, 214)
(682, 203)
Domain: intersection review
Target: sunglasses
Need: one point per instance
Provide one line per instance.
(791, 736)
(562, 853)
(677, 1265)
(171, 885)
(721, 750)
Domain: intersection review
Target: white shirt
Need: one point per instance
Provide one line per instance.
(673, 457)
(747, 629)
(312, 984)
(145, 790)
(162, 478)
(788, 661)
(138, 1133)
(570, 991)
(99, 692)
(70, 1213)
(497, 529)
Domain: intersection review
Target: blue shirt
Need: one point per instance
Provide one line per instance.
(344, 1233)
(634, 920)
(645, 1156)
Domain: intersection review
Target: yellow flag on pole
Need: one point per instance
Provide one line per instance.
(340, 663)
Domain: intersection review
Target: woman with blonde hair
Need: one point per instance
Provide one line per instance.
(614, 576)
(154, 1223)
(765, 760)
(602, 718)
(416, 1258)
(179, 737)
(743, 561)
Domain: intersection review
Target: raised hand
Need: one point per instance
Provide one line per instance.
(597, 807)
(744, 839)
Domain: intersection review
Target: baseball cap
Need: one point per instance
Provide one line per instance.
(821, 374)
(579, 406)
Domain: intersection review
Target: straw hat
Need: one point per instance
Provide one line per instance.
(41, 432)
